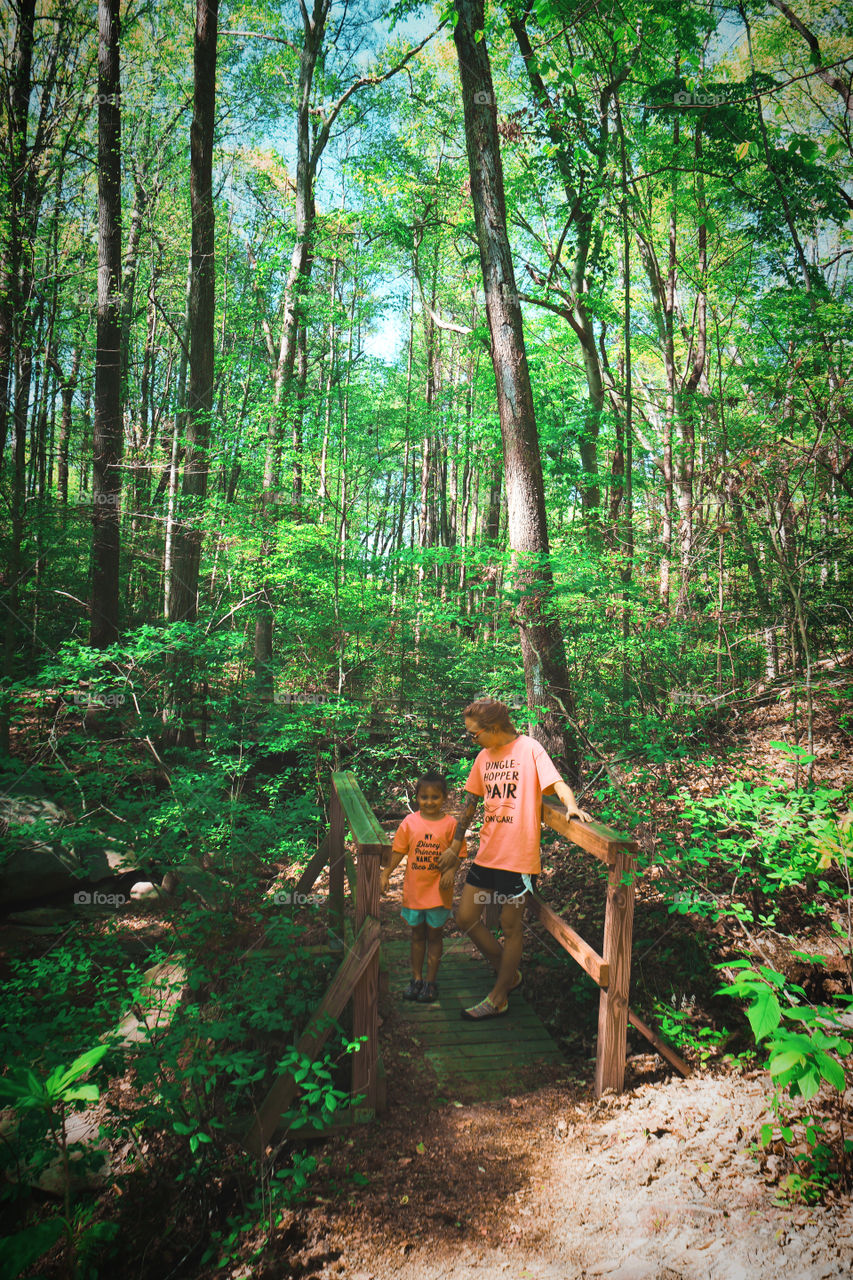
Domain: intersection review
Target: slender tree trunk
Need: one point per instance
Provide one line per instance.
(542, 646)
(172, 473)
(301, 264)
(187, 535)
(67, 387)
(299, 417)
(187, 532)
(107, 431)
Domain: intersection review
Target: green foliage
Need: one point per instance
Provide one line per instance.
(681, 1027)
(798, 1059)
(22, 1088)
(803, 1051)
(749, 844)
(50, 1098)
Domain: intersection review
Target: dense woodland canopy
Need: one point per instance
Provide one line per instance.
(358, 360)
(249, 426)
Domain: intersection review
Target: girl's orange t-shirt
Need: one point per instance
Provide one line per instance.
(511, 780)
(424, 842)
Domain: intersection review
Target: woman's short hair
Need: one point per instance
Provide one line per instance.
(490, 714)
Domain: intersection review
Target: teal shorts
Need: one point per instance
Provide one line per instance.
(435, 917)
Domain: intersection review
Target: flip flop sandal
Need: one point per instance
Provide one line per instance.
(485, 1009)
(518, 980)
(414, 989)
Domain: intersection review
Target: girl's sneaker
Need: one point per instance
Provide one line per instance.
(429, 993)
(414, 989)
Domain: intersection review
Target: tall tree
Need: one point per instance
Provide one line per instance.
(10, 306)
(107, 433)
(187, 534)
(542, 647)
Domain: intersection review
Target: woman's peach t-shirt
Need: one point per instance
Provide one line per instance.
(424, 842)
(511, 780)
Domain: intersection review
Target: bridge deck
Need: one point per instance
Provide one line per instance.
(471, 1060)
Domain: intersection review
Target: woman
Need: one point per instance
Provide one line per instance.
(511, 773)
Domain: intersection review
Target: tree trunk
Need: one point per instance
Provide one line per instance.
(107, 431)
(542, 647)
(187, 534)
(187, 529)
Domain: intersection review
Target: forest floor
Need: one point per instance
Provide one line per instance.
(665, 1181)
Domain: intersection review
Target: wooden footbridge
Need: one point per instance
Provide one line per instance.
(471, 1060)
(484, 1060)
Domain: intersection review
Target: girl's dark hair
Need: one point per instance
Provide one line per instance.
(432, 779)
(490, 714)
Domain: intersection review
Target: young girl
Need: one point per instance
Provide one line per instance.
(427, 891)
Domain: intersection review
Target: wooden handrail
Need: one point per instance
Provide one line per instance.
(590, 961)
(361, 819)
(596, 838)
(364, 950)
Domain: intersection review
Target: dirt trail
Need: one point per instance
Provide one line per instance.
(658, 1184)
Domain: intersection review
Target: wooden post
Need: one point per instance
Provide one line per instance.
(613, 1003)
(365, 998)
(337, 836)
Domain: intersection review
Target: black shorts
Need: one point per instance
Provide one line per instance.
(504, 885)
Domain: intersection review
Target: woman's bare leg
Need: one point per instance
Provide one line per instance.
(468, 915)
(512, 924)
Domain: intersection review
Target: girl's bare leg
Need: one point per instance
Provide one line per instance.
(435, 939)
(419, 933)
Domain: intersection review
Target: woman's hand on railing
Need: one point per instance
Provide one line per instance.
(573, 810)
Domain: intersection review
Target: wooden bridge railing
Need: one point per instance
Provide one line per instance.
(612, 971)
(357, 977)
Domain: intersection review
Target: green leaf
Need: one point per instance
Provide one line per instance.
(764, 1014)
(83, 1093)
(81, 1065)
(807, 1084)
(784, 1061)
(766, 1134)
(832, 1071)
